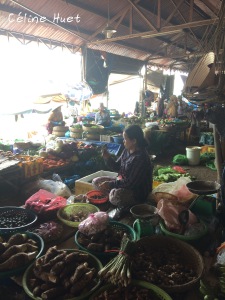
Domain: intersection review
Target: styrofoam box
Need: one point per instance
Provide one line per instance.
(83, 185)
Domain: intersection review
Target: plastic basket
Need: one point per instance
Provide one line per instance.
(92, 261)
(11, 216)
(116, 225)
(161, 294)
(91, 196)
(65, 212)
(186, 238)
(190, 256)
(18, 271)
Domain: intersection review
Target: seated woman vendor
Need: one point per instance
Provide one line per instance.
(102, 117)
(134, 181)
(55, 119)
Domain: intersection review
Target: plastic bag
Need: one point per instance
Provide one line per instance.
(169, 213)
(44, 202)
(56, 187)
(220, 259)
(95, 223)
(180, 159)
(177, 188)
(181, 191)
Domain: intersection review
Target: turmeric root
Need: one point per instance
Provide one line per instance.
(12, 250)
(82, 257)
(80, 285)
(57, 258)
(51, 252)
(17, 239)
(45, 276)
(18, 260)
(71, 257)
(31, 247)
(57, 268)
(37, 291)
(53, 293)
(2, 247)
(80, 270)
(68, 269)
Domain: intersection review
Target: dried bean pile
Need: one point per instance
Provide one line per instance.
(10, 219)
(165, 267)
(128, 293)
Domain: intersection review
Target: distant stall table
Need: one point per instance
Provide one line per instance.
(10, 173)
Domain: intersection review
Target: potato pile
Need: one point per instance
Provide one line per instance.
(62, 273)
(17, 251)
(108, 239)
(76, 216)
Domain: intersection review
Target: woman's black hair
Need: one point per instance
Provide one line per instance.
(135, 132)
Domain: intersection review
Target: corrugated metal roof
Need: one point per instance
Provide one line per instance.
(80, 23)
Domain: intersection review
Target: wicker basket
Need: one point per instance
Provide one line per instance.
(138, 283)
(76, 129)
(190, 256)
(116, 225)
(93, 128)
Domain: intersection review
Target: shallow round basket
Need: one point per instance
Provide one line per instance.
(97, 197)
(117, 225)
(163, 195)
(93, 128)
(156, 291)
(185, 238)
(76, 129)
(143, 211)
(92, 261)
(12, 216)
(190, 256)
(67, 211)
(202, 187)
(17, 271)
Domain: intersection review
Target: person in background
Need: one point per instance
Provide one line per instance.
(137, 109)
(102, 117)
(172, 107)
(182, 107)
(160, 107)
(134, 181)
(55, 119)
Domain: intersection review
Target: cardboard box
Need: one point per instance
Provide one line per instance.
(83, 185)
(105, 138)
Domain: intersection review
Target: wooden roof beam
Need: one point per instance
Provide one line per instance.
(173, 13)
(164, 31)
(159, 14)
(183, 18)
(142, 15)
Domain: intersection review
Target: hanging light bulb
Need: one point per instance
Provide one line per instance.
(109, 30)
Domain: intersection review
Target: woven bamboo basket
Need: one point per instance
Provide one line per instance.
(190, 256)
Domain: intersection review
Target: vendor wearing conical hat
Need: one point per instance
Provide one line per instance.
(55, 118)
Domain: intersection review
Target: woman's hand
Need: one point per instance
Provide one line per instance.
(105, 153)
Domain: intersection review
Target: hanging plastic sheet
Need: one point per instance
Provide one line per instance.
(79, 92)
